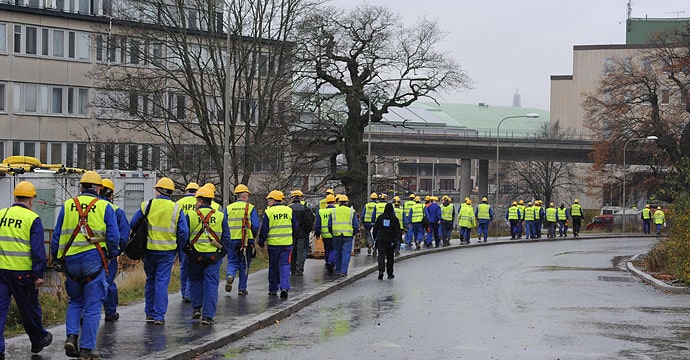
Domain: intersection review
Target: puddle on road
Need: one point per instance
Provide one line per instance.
(326, 323)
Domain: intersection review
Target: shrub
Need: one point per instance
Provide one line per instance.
(672, 255)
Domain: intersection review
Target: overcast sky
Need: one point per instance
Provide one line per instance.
(509, 45)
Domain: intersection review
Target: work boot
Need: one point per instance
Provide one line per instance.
(380, 275)
(329, 267)
(44, 342)
(242, 292)
(283, 294)
(88, 354)
(206, 321)
(196, 313)
(71, 346)
(113, 317)
(228, 283)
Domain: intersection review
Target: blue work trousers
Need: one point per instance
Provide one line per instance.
(409, 235)
(483, 229)
(418, 231)
(328, 251)
(158, 268)
(466, 233)
(562, 229)
(279, 267)
(537, 228)
(446, 229)
(658, 228)
(203, 286)
(85, 299)
(434, 234)
(20, 284)
(646, 226)
(530, 229)
(519, 229)
(239, 261)
(343, 251)
(184, 280)
(111, 298)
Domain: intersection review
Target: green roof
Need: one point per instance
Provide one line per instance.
(638, 30)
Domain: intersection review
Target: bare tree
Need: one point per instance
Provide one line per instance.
(162, 71)
(350, 55)
(641, 95)
(546, 180)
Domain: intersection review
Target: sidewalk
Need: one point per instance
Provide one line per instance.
(182, 338)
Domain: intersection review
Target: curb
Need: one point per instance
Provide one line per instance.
(648, 279)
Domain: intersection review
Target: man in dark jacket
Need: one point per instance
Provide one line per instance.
(386, 233)
(300, 238)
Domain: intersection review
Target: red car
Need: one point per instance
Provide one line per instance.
(601, 222)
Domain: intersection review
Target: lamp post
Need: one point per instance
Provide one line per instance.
(652, 138)
(369, 127)
(498, 129)
(226, 124)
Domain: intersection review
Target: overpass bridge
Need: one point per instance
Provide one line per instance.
(465, 145)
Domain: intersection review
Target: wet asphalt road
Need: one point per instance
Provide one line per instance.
(552, 300)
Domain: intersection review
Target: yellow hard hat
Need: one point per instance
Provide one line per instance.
(521, 202)
(24, 189)
(444, 197)
(241, 188)
(330, 191)
(213, 187)
(107, 183)
(296, 193)
(205, 192)
(276, 195)
(484, 199)
(165, 183)
(514, 202)
(330, 198)
(468, 202)
(658, 207)
(412, 196)
(427, 198)
(435, 198)
(576, 201)
(552, 204)
(396, 198)
(374, 196)
(91, 177)
(343, 198)
(383, 196)
(467, 198)
(417, 198)
(647, 206)
(192, 186)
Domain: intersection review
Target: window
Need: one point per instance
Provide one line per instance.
(16, 148)
(84, 7)
(192, 19)
(30, 149)
(447, 184)
(83, 46)
(56, 153)
(107, 8)
(3, 107)
(60, 5)
(3, 38)
(58, 43)
(82, 156)
(31, 40)
(180, 106)
(133, 51)
(44, 42)
(133, 157)
(30, 98)
(69, 155)
(99, 47)
(2, 149)
(665, 97)
(71, 44)
(425, 184)
(121, 156)
(83, 102)
(17, 38)
(43, 152)
(133, 103)
(157, 53)
(56, 100)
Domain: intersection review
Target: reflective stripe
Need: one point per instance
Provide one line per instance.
(279, 225)
(236, 212)
(576, 210)
(163, 217)
(70, 221)
(326, 214)
(15, 238)
(483, 212)
(447, 212)
(342, 224)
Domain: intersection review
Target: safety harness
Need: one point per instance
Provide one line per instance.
(205, 229)
(83, 228)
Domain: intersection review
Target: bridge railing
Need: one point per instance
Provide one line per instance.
(454, 134)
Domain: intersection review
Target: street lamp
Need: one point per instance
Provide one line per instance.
(652, 138)
(369, 127)
(498, 129)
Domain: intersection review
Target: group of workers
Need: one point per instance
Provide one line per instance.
(198, 231)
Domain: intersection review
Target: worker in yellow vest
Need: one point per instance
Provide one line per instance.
(447, 219)
(576, 215)
(111, 300)
(168, 231)
(368, 219)
(646, 215)
(321, 230)
(22, 263)
(466, 220)
(513, 216)
(276, 232)
(243, 223)
(407, 221)
(484, 214)
(530, 228)
(562, 217)
(207, 245)
(342, 225)
(188, 204)
(659, 220)
(521, 222)
(83, 222)
(416, 216)
(551, 220)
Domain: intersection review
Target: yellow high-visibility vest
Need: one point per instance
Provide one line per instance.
(215, 223)
(483, 211)
(163, 217)
(70, 221)
(342, 221)
(15, 238)
(279, 225)
(236, 213)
